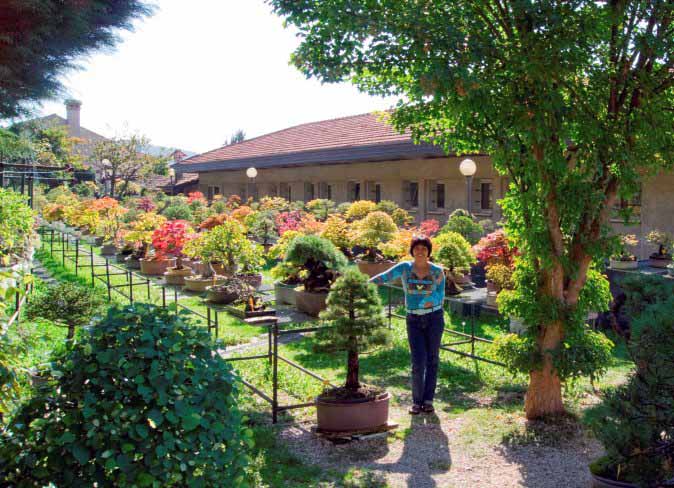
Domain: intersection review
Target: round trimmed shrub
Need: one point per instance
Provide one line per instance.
(143, 400)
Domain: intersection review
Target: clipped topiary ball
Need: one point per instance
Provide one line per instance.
(143, 400)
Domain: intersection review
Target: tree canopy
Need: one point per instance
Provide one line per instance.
(41, 39)
(568, 98)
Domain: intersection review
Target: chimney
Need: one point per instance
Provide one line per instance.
(73, 116)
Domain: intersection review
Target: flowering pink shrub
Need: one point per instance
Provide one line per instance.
(494, 248)
(196, 196)
(286, 221)
(146, 204)
(169, 239)
(429, 227)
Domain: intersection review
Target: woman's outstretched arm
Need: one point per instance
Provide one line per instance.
(389, 275)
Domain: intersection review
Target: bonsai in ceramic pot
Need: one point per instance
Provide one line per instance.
(287, 279)
(635, 422)
(355, 325)
(251, 260)
(140, 236)
(230, 290)
(321, 263)
(623, 258)
(109, 225)
(454, 253)
(375, 229)
(168, 242)
(663, 256)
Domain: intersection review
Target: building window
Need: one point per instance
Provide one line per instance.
(436, 195)
(284, 191)
(373, 191)
(308, 192)
(627, 209)
(377, 193)
(328, 194)
(353, 188)
(483, 201)
(411, 194)
(212, 191)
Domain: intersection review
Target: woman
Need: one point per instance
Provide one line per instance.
(424, 287)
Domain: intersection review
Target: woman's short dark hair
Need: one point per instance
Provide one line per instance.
(421, 241)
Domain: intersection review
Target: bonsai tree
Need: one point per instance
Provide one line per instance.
(66, 304)
(169, 240)
(453, 251)
(376, 228)
(250, 258)
(358, 210)
(320, 260)
(262, 226)
(223, 244)
(110, 213)
(321, 208)
(622, 253)
(356, 325)
(398, 247)
(336, 231)
(495, 248)
(429, 227)
(635, 423)
(286, 221)
(664, 241)
(141, 232)
(464, 225)
(501, 275)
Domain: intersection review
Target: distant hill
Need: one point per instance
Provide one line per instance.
(161, 151)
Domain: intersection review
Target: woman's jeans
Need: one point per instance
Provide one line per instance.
(424, 333)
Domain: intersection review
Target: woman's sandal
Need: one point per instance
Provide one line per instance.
(427, 408)
(415, 409)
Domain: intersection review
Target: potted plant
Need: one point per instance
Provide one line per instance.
(109, 224)
(369, 233)
(230, 290)
(287, 275)
(168, 242)
(454, 253)
(635, 421)
(251, 261)
(262, 227)
(320, 262)
(220, 250)
(354, 325)
(499, 277)
(664, 240)
(622, 258)
(140, 236)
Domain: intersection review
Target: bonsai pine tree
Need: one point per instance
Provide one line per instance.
(319, 258)
(636, 421)
(356, 324)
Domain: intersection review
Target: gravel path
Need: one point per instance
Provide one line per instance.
(434, 454)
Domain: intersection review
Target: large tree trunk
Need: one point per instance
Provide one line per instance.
(544, 396)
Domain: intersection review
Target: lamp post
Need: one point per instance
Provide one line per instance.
(172, 179)
(252, 173)
(468, 169)
(107, 174)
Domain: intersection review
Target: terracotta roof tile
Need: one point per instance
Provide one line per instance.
(353, 131)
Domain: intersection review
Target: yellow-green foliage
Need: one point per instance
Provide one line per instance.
(375, 228)
(336, 231)
(453, 251)
(360, 209)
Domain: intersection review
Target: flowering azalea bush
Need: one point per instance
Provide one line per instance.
(429, 227)
(494, 248)
(196, 196)
(286, 221)
(146, 204)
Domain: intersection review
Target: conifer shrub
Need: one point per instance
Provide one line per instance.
(142, 400)
(356, 326)
(320, 260)
(635, 423)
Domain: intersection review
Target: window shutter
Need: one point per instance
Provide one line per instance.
(350, 190)
(433, 195)
(322, 190)
(407, 194)
(370, 191)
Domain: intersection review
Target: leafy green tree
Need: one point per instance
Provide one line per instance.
(356, 323)
(238, 136)
(43, 39)
(569, 98)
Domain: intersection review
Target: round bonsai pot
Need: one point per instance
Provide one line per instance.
(334, 416)
(199, 284)
(216, 294)
(254, 280)
(108, 250)
(618, 264)
(199, 267)
(309, 302)
(371, 268)
(222, 270)
(132, 262)
(656, 261)
(600, 482)
(175, 276)
(284, 293)
(156, 267)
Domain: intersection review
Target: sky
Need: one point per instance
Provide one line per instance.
(197, 71)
